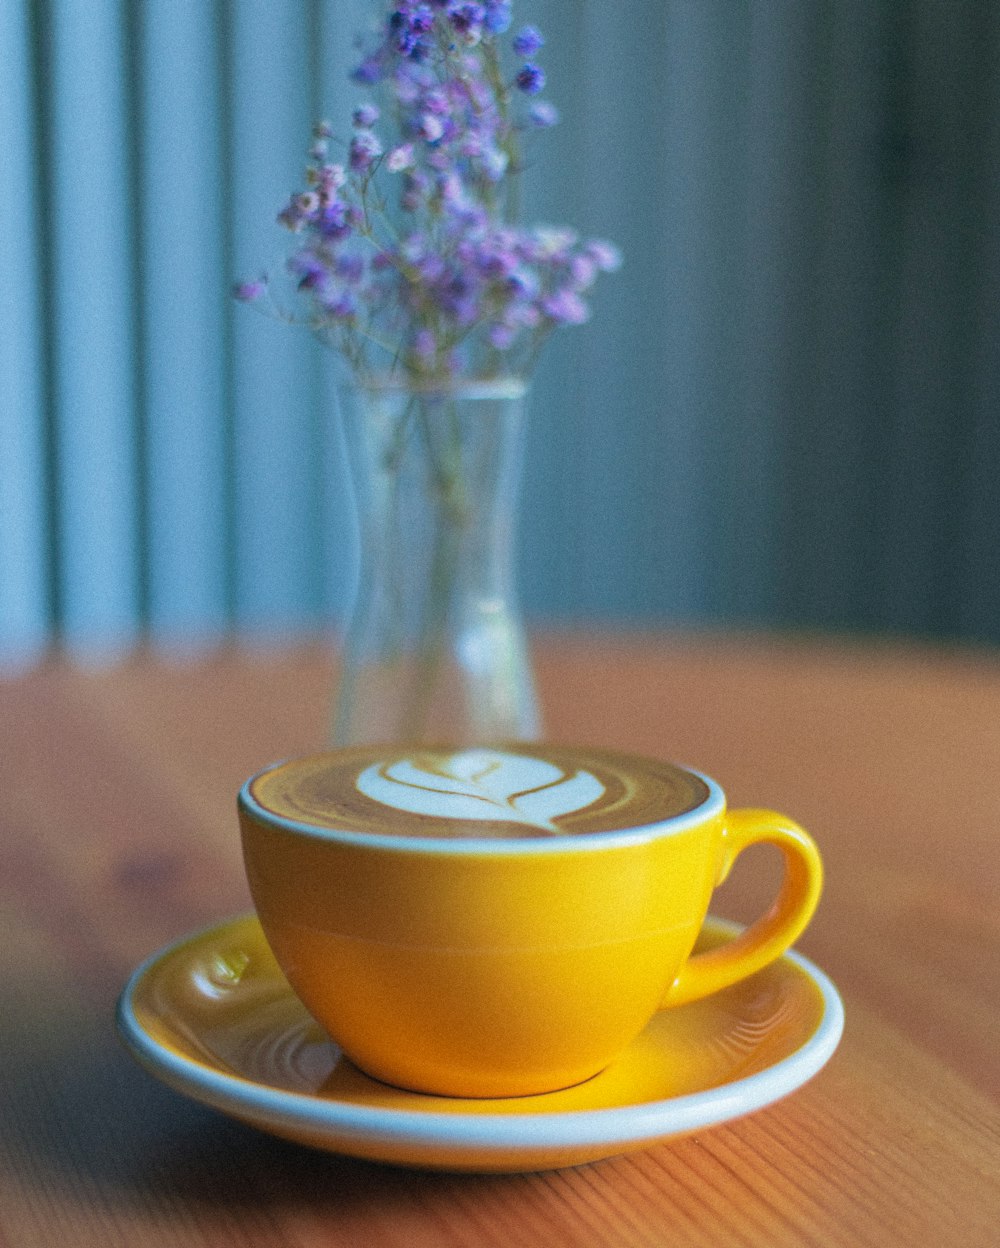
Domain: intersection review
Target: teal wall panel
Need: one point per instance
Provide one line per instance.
(273, 370)
(783, 412)
(25, 605)
(183, 265)
(89, 215)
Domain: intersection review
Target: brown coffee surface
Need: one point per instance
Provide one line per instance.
(510, 791)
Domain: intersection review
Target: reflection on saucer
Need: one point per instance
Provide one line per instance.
(214, 1017)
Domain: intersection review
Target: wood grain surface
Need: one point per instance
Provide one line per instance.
(118, 834)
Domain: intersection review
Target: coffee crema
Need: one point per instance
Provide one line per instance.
(511, 791)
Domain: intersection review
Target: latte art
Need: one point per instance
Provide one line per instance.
(481, 785)
(511, 792)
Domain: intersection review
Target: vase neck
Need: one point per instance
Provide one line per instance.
(433, 469)
(435, 648)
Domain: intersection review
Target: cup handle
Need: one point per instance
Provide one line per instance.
(775, 931)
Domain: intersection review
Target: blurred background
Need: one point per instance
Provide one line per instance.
(783, 414)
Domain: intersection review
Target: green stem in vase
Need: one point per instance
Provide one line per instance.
(449, 514)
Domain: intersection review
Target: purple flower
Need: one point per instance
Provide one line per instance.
(363, 152)
(527, 41)
(416, 187)
(408, 28)
(369, 71)
(546, 246)
(350, 268)
(459, 299)
(422, 19)
(335, 220)
(494, 163)
(290, 219)
(400, 158)
(543, 114)
(480, 96)
(330, 178)
(502, 336)
(522, 285)
(605, 255)
(531, 79)
(416, 48)
(365, 116)
(583, 271)
(309, 269)
(248, 291)
(424, 343)
(431, 269)
(340, 304)
(299, 210)
(498, 16)
(430, 127)
(472, 145)
(526, 314)
(467, 17)
(436, 101)
(406, 86)
(496, 262)
(451, 285)
(565, 307)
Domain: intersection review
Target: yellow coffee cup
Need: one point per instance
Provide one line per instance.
(504, 921)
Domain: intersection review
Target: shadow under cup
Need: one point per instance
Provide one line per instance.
(486, 957)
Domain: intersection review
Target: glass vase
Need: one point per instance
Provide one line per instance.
(435, 650)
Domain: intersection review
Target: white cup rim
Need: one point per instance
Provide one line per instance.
(713, 806)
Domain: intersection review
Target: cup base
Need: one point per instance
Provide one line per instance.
(469, 1090)
(214, 1018)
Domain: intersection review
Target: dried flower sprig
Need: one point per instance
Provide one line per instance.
(437, 281)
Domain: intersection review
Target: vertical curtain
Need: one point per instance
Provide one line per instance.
(25, 609)
(784, 411)
(183, 413)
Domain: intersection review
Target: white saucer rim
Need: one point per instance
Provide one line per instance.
(345, 1123)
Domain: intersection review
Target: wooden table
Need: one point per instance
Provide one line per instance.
(118, 834)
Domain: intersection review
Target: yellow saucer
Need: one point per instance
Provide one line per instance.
(213, 1017)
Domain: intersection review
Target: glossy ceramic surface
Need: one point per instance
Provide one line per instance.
(502, 964)
(213, 1017)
